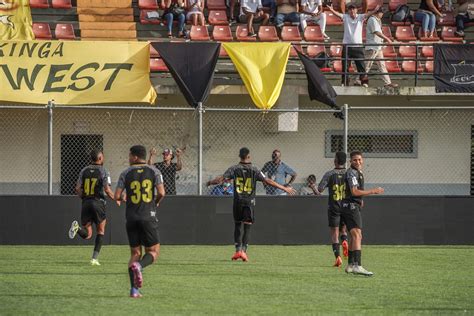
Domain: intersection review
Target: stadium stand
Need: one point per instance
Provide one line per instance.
(290, 34)
(64, 31)
(39, 4)
(61, 4)
(148, 4)
(218, 17)
(268, 33)
(313, 33)
(222, 33)
(241, 34)
(199, 33)
(314, 50)
(42, 31)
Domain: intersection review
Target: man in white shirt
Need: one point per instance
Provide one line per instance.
(312, 10)
(353, 24)
(375, 53)
(252, 11)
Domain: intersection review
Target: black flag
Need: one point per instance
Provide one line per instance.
(192, 67)
(319, 87)
(454, 68)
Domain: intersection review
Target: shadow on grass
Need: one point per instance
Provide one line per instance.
(62, 273)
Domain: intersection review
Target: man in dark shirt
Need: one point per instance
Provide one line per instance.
(245, 177)
(92, 186)
(350, 214)
(140, 181)
(167, 168)
(334, 180)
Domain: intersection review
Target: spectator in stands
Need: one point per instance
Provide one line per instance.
(226, 188)
(312, 10)
(310, 187)
(426, 15)
(195, 12)
(168, 168)
(269, 6)
(232, 10)
(174, 9)
(376, 36)
(287, 11)
(278, 171)
(251, 12)
(353, 24)
(465, 14)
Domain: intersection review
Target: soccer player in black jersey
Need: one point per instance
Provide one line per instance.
(351, 207)
(92, 186)
(334, 180)
(245, 177)
(140, 181)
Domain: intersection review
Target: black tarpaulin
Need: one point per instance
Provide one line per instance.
(454, 68)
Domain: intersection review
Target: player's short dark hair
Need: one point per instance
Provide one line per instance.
(139, 151)
(312, 177)
(356, 153)
(244, 152)
(340, 158)
(95, 154)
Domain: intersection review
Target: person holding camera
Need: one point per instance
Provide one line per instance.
(167, 168)
(278, 171)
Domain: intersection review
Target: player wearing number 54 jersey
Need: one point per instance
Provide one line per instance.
(140, 182)
(245, 177)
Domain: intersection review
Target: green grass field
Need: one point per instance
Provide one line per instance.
(202, 280)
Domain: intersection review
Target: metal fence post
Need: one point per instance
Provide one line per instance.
(200, 111)
(50, 147)
(345, 110)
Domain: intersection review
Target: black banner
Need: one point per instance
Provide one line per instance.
(454, 68)
(192, 66)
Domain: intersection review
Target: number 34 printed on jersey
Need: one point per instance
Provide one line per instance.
(243, 186)
(141, 191)
(339, 192)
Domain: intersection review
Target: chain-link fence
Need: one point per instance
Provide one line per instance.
(407, 151)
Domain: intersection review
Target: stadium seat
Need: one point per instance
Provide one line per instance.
(39, 4)
(242, 34)
(199, 33)
(392, 66)
(332, 19)
(314, 50)
(447, 20)
(313, 34)
(64, 31)
(407, 51)
(447, 34)
(435, 37)
(409, 66)
(387, 31)
(291, 34)
(158, 65)
(218, 17)
(389, 51)
(294, 49)
(149, 17)
(153, 52)
(61, 4)
(147, 4)
(405, 34)
(371, 4)
(393, 4)
(335, 51)
(223, 52)
(427, 51)
(42, 31)
(429, 66)
(268, 33)
(215, 5)
(337, 66)
(222, 33)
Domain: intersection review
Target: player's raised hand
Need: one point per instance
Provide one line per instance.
(178, 152)
(153, 151)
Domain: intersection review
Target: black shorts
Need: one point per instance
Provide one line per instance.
(244, 212)
(351, 216)
(334, 217)
(142, 233)
(93, 211)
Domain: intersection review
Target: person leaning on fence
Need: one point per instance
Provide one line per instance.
(376, 36)
(167, 168)
(278, 171)
(426, 15)
(174, 10)
(312, 11)
(252, 11)
(465, 14)
(195, 9)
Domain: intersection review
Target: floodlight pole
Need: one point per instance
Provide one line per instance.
(50, 146)
(345, 111)
(200, 112)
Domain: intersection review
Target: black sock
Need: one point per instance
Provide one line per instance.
(82, 232)
(246, 237)
(98, 245)
(146, 260)
(357, 257)
(335, 249)
(130, 274)
(351, 257)
(237, 236)
(344, 237)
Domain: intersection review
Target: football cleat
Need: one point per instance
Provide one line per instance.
(95, 262)
(338, 262)
(137, 274)
(345, 248)
(244, 256)
(237, 255)
(73, 230)
(360, 270)
(349, 268)
(135, 293)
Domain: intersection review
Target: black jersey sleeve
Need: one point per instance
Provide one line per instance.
(323, 184)
(352, 178)
(229, 173)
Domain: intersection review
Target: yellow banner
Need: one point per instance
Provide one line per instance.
(262, 68)
(70, 72)
(15, 20)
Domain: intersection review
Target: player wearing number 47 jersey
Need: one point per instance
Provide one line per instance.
(245, 177)
(92, 185)
(140, 181)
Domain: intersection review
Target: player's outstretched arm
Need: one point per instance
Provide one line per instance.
(179, 161)
(109, 192)
(152, 155)
(356, 192)
(215, 181)
(288, 190)
(118, 196)
(160, 189)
